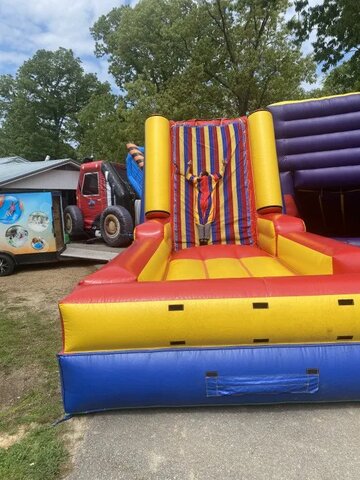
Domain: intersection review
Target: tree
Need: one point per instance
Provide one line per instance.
(343, 79)
(187, 58)
(336, 25)
(102, 128)
(39, 106)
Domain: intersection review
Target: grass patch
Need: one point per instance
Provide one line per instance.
(25, 338)
(28, 345)
(39, 456)
(30, 394)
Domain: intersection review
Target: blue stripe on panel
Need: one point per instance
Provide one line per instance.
(213, 156)
(181, 377)
(188, 188)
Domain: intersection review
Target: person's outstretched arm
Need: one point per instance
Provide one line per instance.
(188, 170)
(219, 175)
(222, 171)
(189, 175)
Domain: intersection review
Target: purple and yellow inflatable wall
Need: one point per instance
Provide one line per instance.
(265, 313)
(318, 148)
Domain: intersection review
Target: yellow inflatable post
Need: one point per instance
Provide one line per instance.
(264, 161)
(157, 167)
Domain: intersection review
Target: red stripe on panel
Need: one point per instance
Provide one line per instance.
(217, 288)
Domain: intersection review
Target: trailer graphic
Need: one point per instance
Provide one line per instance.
(30, 228)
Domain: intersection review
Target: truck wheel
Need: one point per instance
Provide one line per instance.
(7, 265)
(74, 221)
(116, 226)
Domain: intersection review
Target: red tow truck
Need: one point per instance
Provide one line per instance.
(106, 204)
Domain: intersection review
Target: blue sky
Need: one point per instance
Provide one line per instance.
(29, 25)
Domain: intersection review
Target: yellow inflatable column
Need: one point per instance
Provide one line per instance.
(264, 162)
(157, 167)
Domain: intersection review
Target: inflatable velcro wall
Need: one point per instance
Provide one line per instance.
(223, 297)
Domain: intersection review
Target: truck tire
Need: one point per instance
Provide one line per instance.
(74, 221)
(7, 265)
(116, 226)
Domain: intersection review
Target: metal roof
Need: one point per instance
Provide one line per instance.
(9, 172)
(4, 160)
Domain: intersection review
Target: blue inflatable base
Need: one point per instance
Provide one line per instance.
(210, 376)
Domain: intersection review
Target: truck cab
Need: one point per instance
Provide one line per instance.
(105, 204)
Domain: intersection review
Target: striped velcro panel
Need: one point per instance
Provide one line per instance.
(206, 144)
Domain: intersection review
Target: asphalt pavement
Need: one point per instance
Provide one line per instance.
(284, 442)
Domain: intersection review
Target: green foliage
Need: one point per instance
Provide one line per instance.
(101, 127)
(343, 79)
(180, 58)
(39, 107)
(187, 58)
(337, 29)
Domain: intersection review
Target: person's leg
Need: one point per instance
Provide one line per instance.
(200, 229)
(204, 233)
(207, 231)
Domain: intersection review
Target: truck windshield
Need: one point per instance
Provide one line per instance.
(90, 184)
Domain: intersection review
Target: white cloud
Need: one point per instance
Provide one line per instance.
(12, 57)
(29, 25)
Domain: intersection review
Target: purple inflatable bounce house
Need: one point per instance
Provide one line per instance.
(318, 147)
